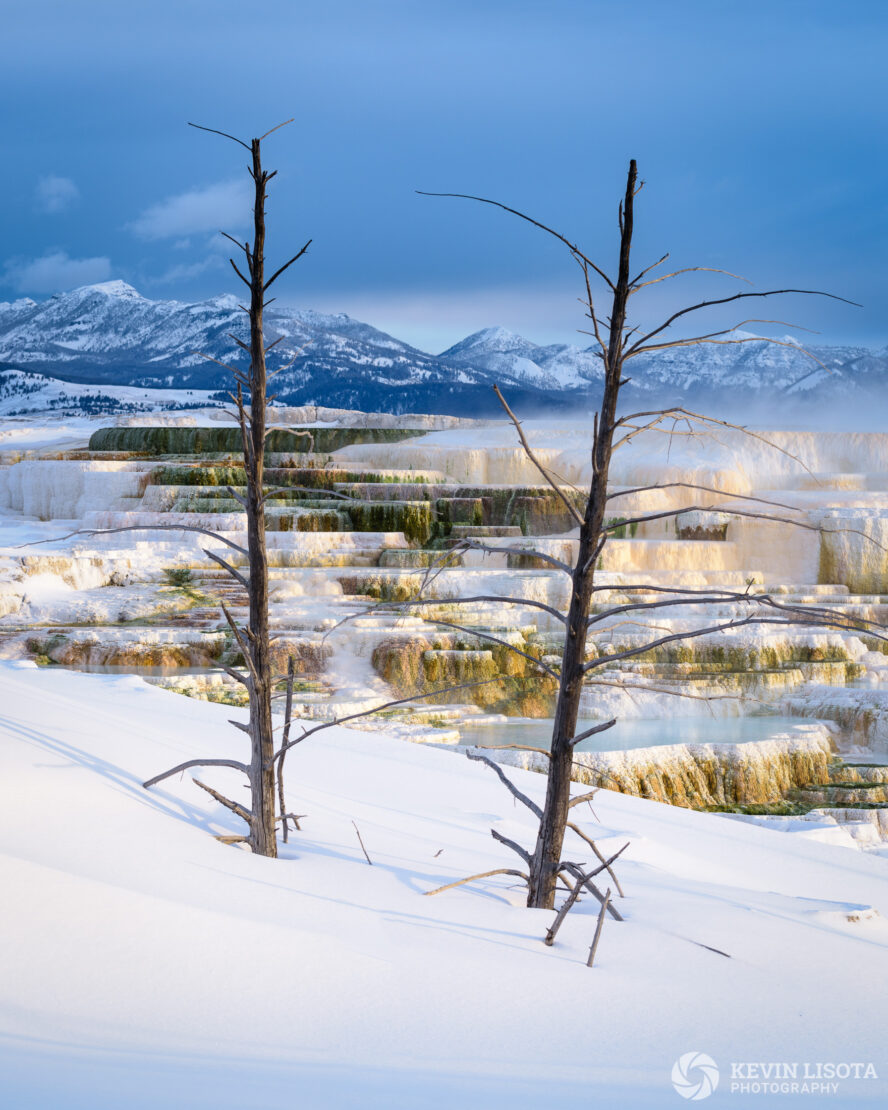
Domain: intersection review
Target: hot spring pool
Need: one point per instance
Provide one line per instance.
(638, 733)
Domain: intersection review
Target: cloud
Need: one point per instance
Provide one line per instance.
(215, 207)
(187, 271)
(55, 194)
(55, 272)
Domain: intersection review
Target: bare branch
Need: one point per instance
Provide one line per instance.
(566, 905)
(295, 818)
(321, 494)
(388, 606)
(475, 545)
(287, 365)
(511, 844)
(243, 679)
(520, 601)
(593, 731)
(575, 250)
(226, 366)
(246, 281)
(137, 528)
(702, 598)
(245, 247)
(727, 511)
(536, 462)
(507, 783)
(600, 925)
(288, 716)
(241, 643)
(277, 127)
(513, 748)
(667, 413)
(503, 643)
(839, 625)
(648, 269)
(591, 314)
(702, 340)
(361, 842)
(596, 850)
(577, 873)
(239, 497)
(728, 300)
(636, 285)
(575, 893)
(244, 814)
(474, 878)
(643, 587)
(224, 134)
(233, 571)
(646, 688)
(293, 432)
(196, 763)
(379, 708)
(285, 266)
(580, 798)
(703, 489)
(243, 346)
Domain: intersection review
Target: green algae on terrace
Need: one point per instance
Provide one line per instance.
(196, 441)
(436, 660)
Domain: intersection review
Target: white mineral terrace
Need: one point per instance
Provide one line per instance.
(97, 570)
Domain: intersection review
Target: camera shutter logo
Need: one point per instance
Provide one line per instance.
(695, 1075)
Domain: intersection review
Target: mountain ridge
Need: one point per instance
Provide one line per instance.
(109, 334)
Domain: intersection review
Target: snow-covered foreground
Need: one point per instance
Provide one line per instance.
(146, 964)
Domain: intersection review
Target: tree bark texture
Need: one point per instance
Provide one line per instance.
(263, 840)
(546, 859)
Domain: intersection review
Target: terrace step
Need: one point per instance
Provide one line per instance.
(485, 531)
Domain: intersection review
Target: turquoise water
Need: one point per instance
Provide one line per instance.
(644, 733)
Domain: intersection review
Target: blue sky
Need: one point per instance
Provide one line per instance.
(759, 129)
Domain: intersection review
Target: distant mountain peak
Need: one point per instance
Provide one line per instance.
(497, 334)
(497, 338)
(225, 301)
(115, 288)
(21, 305)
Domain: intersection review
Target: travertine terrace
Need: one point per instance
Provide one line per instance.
(375, 510)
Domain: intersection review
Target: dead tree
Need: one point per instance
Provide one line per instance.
(616, 343)
(250, 398)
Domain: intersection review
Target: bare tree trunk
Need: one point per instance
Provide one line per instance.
(546, 859)
(253, 640)
(262, 829)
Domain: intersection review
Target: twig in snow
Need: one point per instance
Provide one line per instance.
(472, 878)
(361, 842)
(598, 929)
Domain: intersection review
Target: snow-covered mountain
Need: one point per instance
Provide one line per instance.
(506, 355)
(756, 366)
(109, 334)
